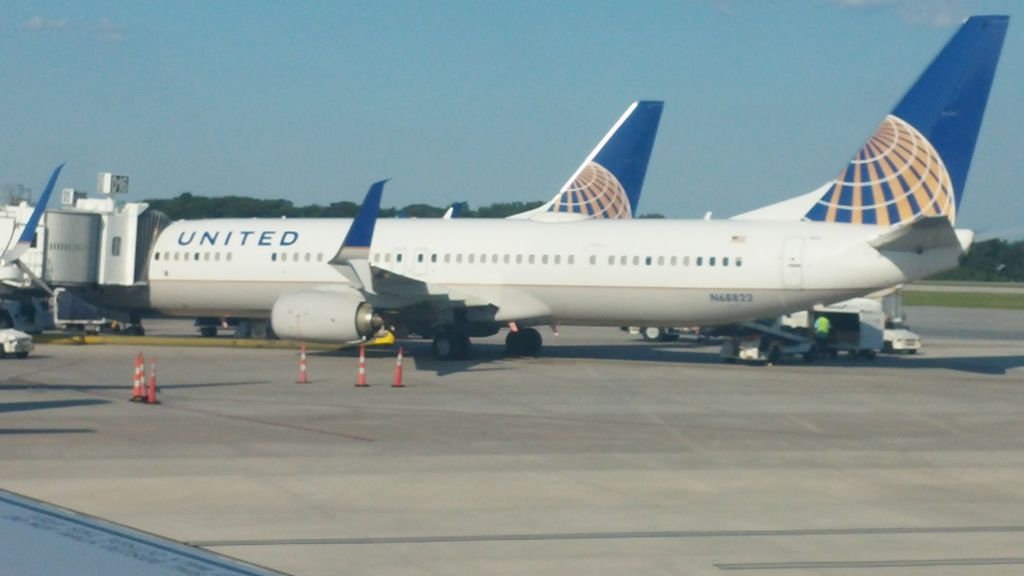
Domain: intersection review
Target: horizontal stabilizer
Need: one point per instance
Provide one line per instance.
(925, 233)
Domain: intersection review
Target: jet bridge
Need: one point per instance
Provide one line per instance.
(96, 248)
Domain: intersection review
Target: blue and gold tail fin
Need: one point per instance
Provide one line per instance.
(608, 183)
(915, 164)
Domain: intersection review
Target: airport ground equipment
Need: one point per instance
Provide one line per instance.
(858, 326)
(767, 342)
(15, 343)
(898, 340)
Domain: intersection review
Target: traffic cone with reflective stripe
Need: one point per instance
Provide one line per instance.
(303, 375)
(361, 381)
(138, 391)
(151, 397)
(398, 371)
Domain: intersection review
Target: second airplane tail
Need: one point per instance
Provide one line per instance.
(608, 183)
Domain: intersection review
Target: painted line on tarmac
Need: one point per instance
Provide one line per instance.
(191, 342)
(666, 534)
(872, 564)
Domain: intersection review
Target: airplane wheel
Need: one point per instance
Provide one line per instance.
(451, 344)
(515, 344)
(532, 342)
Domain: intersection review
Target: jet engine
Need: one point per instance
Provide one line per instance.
(324, 316)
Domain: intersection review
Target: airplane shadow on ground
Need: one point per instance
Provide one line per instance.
(486, 357)
(18, 384)
(6, 407)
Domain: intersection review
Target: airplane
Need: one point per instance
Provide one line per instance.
(11, 266)
(887, 219)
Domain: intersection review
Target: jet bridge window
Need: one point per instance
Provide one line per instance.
(115, 246)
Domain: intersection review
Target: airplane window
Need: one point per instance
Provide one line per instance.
(157, 255)
(711, 261)
(483, 258)
(419, 258)
(398, 257)
(273, 256)
(229, 256)
(319, 257)
(593, 260)
(447, 258)
(725, 261)
(458, 258)
(572, 259)
(387, 257)
(216, 256)
(611, 260)
(307, 256)
(196, 257)
(530, 259)
(494, 258)
(647, 261)
(472, 258)
(636, 260)
(739, 261)
(433, 258)
(672, 261)
(558, 258)
(623, 260)
(519, 258)
(544, 259)
(686, 260)
(295, 257)
(206, 256)
(661, 260)
(700, 260)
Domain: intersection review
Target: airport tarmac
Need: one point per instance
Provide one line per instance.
(608, 455)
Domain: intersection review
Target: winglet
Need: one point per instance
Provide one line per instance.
(360, 234)
(25, 240)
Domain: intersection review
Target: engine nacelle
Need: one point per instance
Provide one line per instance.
(324, 316)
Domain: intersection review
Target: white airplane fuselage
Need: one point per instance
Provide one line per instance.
(594, 272)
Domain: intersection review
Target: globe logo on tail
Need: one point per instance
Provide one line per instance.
(896, 177)
(595, 192)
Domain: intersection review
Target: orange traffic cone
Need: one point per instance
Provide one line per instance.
(398, 371)
(138, 392)
(361, 381)
(151, 398)
(303, 375)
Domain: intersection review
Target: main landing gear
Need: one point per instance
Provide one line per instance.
(524, 342)
(451, 344)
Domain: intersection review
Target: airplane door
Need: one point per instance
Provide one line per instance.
(793, 262)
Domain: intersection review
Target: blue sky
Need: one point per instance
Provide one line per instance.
(480, 101)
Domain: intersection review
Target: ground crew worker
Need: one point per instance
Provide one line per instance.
(822, 329)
